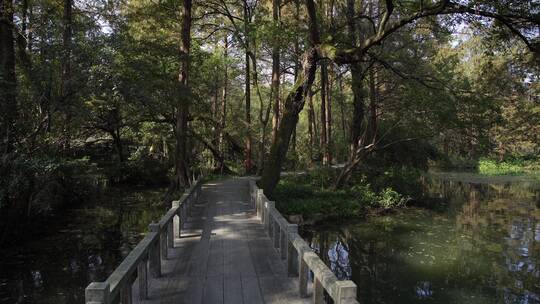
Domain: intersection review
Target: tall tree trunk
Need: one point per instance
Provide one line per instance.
(117, 139)
(65, 89)
(357, 75)
(248, 163)
(223, 116)
(294, 103)
(329, 147)
(373, 97)
(322, 113)
(342, 109)
(8, 80)
(275, 72)
(182, 110)
(311, 129)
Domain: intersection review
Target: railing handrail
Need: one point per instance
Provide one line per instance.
(300, 257)
(147, 254)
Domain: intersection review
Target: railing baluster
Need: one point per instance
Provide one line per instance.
(163, 242)
(126, 293)
(270, 207)
(170, 234)
(261, 208)
(302, 275)
(142, 274)
(276, 232)
(292, 256)
(283, 248)
(155, 252)
(318, 292)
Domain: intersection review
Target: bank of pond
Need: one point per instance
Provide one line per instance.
(472, 239)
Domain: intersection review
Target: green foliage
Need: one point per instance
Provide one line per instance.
(389, 198)
(145, 171)
(300, 196)
(508, 167)
(312, 195)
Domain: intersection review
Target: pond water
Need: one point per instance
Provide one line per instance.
(479, 244)
(78, 246)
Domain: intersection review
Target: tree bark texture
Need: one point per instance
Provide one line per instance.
(294, 103)
(182, 109)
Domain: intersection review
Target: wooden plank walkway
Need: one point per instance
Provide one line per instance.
(223, 255)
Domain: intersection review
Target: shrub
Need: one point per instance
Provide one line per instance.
(389, 198)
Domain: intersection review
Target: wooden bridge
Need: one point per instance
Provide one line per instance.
(222, 242)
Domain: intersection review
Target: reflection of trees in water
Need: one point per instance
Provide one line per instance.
(501, 222)
(56, 269)
(490, 249)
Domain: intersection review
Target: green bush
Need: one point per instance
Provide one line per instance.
(389, 198)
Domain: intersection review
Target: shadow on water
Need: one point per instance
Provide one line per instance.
(79, 246)
(482, 247)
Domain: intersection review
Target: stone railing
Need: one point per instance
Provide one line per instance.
(145, 257)
(300, 257)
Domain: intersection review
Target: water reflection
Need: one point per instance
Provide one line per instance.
(85, 245)
(482, 247)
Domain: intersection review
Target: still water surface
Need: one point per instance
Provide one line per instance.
(81, 245)
(481, 244)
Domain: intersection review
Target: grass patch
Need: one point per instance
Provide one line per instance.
(313, 197)
(508, 167)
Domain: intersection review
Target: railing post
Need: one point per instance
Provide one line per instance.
(318, 292)
(155, 251)
(177, 218)
(302, 275)
(188, 203)
(97, 293)
(126, 294)
(276, 231)
(142, 274)
(283, 248)
(163, 243)
(251, 186)
(170, 234)
(268, 207)
(292, 255)
(261, 212)
(346, 292)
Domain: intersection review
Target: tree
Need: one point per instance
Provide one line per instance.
(8, 80)
(182, 109)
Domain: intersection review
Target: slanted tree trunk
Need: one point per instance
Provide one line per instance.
(275, 73)
(8, 80)
(182, 109)
(294, 103)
